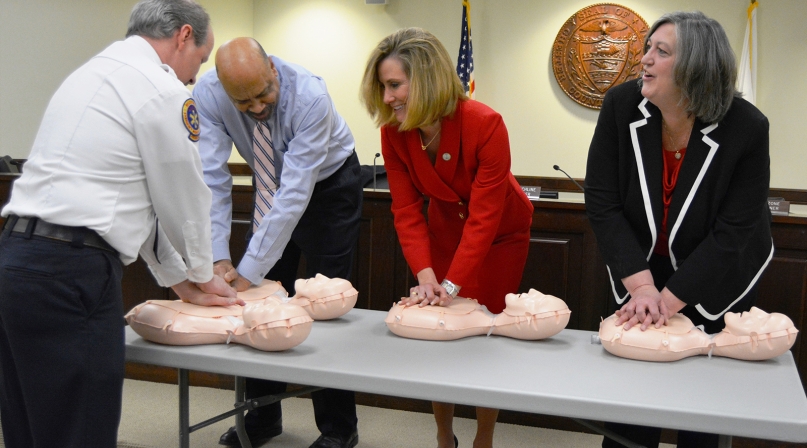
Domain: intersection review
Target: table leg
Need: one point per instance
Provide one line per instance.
(724, 441)
(184, 410)
(610, 434)
(241, 405)
(241, 397)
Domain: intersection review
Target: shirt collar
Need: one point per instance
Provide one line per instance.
(145, 48)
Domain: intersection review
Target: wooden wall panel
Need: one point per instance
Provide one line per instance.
(586, 290)
(361, 270)
(403, 277)
(375, 255)
(783, 289)
(548, 266)
(783, 286)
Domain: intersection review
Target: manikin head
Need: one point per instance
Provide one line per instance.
(532, 302)
(325, 298)
(755, 321)
(320, 286)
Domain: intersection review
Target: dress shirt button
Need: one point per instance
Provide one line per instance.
(460, 203)
(446, 156)
(462, 215)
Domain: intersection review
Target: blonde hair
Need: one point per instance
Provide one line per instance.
(434, 87)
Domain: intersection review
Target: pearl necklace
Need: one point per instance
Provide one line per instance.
(422, 146)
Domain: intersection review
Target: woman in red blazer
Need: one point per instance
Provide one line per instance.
(438, 144)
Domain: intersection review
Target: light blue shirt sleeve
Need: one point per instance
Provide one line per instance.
(302, 161)
(215, 146)
(311, 141)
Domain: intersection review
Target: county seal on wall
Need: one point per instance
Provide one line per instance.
(599, 47)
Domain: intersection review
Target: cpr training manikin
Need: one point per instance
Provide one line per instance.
(529, 316)
(752, 335)
(270, 320)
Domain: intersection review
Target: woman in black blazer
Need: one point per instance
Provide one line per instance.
(677, 184)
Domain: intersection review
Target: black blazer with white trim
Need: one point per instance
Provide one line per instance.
(719, 220)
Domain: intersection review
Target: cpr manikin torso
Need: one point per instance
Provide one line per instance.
(753, 335)
(269, 321)
(526, 316)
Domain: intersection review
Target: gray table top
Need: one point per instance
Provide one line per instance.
(564, 375)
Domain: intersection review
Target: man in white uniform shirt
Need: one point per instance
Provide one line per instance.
(114, 171)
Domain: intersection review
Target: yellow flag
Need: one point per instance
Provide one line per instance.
(747, 75)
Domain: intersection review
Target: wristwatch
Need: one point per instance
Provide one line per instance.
(451, 288)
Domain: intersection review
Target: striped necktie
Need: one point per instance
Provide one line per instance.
(264, 168)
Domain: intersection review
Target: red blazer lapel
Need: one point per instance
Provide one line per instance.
(433, 180)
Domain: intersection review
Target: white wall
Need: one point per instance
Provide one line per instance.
(512, 45)
(42, 41)
(230, 18)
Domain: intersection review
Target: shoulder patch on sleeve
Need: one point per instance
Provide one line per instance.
(191, 119)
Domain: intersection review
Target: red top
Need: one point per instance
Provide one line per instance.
(669, 178)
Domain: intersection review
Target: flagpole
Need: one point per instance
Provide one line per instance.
(747, 70)
(467, 4)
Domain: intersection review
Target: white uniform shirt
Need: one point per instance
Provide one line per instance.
(115, 151)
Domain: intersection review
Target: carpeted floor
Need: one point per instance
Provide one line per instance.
(150, 420)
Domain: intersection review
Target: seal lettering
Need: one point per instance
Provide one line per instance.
(598, 47)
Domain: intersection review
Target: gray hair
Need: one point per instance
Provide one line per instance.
(705, 68)
(160, 19)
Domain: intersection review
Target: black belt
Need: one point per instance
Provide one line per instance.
(75, 236)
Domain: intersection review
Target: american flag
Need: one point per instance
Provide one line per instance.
(465, 60)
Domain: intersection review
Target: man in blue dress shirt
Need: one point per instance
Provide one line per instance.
(310, 204)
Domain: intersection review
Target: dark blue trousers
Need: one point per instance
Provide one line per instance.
(326, 235)
(61, 344)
